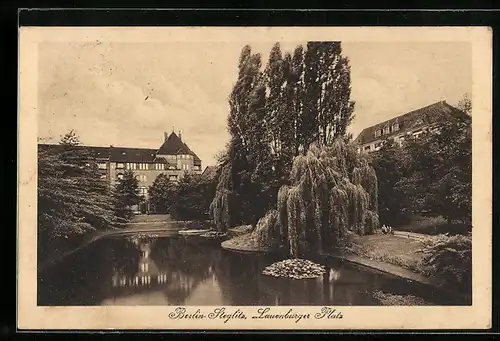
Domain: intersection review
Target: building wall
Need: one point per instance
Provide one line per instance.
(399, 138)
(146, 173)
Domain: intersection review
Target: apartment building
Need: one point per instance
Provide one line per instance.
(413, 123)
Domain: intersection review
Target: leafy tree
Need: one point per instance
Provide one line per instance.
(438, 169)
(275, 114)
(328, 109)
(333, 189)
(192, 197)
(387, 164)
(161, 193)
(73, 201)
(449, 259)
(465, 104)
(127, 194)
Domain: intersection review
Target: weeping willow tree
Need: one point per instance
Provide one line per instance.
(333, 190)
(220, 205)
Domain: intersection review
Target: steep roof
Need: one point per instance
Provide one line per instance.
(173, 145)
(97, 152)
(124, 154)
(412, 120)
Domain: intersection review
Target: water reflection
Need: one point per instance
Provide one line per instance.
(176, 270)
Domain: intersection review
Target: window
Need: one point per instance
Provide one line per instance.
(378, 133)
(395, 127)
(142, 178)
(387, 130)
(102, 166)
(120, 176)
(119, 165)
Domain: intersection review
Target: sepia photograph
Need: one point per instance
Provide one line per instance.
(242, 171)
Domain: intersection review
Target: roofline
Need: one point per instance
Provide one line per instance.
(399, 116)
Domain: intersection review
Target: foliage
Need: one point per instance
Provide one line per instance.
(274, 115)
(388, 166)
(327, 106)
(400, 300)
(73, 200)
(126, 194)
(437, 174)
(191, 198)
(295, 269)
(267, 233)
(219, 207)
(465, 104)
(449, 258)
(161, 193)
(331, 191)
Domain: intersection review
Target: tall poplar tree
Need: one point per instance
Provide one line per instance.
(328, 109)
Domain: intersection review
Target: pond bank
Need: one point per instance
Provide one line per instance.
(393, 255)
(127, 229)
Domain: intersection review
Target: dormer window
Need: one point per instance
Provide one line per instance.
(387, 130)
(378, 133)
(395, 127)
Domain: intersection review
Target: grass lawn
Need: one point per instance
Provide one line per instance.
(405, 252)
(431, 225)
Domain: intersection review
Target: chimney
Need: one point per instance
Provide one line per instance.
(165, 135)
(180, 136)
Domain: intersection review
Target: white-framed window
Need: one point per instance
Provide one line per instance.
(119, 176)
(378, 133)
(102, 165)
(119, 165)
(143, 191)
(387, 130)
(395, 127)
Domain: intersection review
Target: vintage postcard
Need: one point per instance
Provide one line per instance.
(254, 178)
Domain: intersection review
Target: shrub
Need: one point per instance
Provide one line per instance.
(449, 258)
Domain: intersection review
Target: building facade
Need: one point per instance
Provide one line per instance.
(173, 158)
(414, 123)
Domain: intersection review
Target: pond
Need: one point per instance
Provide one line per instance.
(176, 270)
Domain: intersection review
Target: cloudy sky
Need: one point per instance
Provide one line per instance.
(128, 94)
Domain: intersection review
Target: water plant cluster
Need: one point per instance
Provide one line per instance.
(295, 269)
